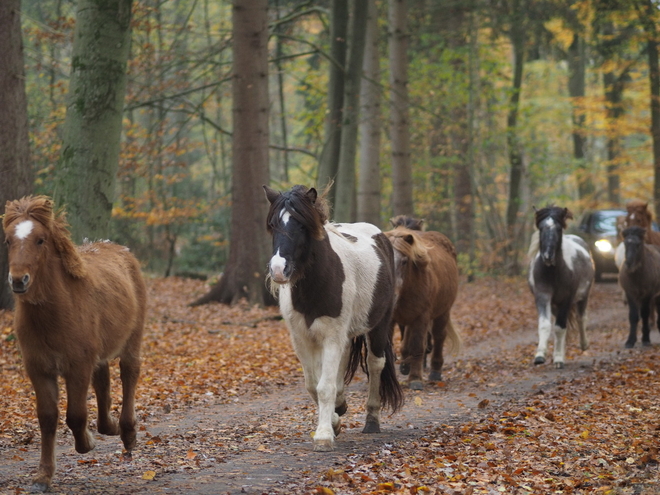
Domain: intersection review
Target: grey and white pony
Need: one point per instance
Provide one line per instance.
(336, 287)
(561, 274)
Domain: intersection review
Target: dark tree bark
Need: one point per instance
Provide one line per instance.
(368, 196)
(402, 184)
(249, 251)
(329, 162)
(16, 176)
(89, 161)
(345, 193)
(576, 90)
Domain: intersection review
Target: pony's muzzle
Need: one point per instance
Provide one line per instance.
(548, 260)
(19, 285)
(278, 277)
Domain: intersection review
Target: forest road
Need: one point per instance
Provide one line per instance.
(262, 443)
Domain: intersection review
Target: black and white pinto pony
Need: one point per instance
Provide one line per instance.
(561, 274)
(639, 276)
(336, 287)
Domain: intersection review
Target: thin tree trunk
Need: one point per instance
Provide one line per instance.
(368, 196)
(329, 161)
(89, 161)
(576, 90)
(16, 176)
(345, 194)
(613, 96)
(402, 186)
(515, 156)
(284, 166)
(249, 247)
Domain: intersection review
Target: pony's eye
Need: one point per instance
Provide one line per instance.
(40, 241)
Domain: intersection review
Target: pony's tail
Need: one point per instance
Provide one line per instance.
(356, 359)
(454, 341)
(391, 393)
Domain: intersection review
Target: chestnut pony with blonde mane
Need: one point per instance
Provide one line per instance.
(77, 307)
(426, 288)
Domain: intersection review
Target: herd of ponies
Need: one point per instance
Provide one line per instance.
(342, 289)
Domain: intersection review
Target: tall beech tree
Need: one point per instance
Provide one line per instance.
(16, 175)
(89, 159)
(249, 243)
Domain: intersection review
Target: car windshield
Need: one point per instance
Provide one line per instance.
(605, 223)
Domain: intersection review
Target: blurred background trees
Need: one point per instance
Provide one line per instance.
(506, 104)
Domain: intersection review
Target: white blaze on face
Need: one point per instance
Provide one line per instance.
(284, 216)
(23, 229)
(549, 222)
(277, 266)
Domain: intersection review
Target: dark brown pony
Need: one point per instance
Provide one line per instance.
(427, 284)
(77, 307)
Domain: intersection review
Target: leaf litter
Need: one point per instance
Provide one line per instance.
(222, 409)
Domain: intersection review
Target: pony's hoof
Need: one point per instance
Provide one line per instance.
(630, 345)
(109, 428)
(371, 426)
(416, 385)
(435, 376)
(646, 344)
(539, 360)
(85, 444)
(404, 368)
(559, 365)
(39, 487)
(341, 409)
(326, 445)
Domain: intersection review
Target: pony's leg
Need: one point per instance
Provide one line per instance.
(107, 425)
(375, 365)
(46, 391)
(326, 392)
(545, 326)
(561, 323)
(404, 367)
(340, 402)
(645, 311)
(418, 332)
(129, 366)
(77, 385)
(439, 333)
(582, 323)
(633, 319)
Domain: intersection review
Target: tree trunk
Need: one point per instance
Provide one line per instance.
(89, 160)
(16, 176)
(515, 157)
(402, 190)
(329, 161)
(576, 90)
(368, 196)
(648, 15)
(345, 208)
(249, 247)
(613, 100)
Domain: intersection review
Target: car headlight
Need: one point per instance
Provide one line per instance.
(604, 246)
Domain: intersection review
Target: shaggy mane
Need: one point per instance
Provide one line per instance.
(40, 209)
(417, 252)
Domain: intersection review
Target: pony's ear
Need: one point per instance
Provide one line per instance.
(568, 215)
(271, 194)
(312, 195)
(409, 239)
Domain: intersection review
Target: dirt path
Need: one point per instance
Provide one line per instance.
(262, 444)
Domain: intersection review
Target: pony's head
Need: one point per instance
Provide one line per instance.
(633, 238)
(638, 214)
(37, 238)
(296, 218)
(409, 252)
(407, 222)
(551, 221)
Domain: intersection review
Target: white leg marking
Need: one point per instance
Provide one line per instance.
(560, 347)
(326, 390)
(545, 327)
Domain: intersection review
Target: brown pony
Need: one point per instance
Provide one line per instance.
(77, 307)
(639, 215)
(427, 284)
